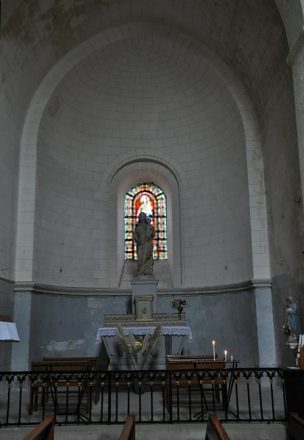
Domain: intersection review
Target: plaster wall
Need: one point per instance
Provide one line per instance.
(12, 107)
(145, 94)
(284, 201)
(9, 149)
(66, 325)
(20, 72)
(6, 308)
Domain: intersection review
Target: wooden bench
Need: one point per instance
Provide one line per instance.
(199, 362)
(48, 384)
(44, 431)
(92, 361)
(193, 362)
(215, 430)
(128, 430)
(295, 427)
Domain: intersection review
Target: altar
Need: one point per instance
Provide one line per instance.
(173, 336)
(142, 339)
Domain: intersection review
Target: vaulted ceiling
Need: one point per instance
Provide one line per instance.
(248, 35)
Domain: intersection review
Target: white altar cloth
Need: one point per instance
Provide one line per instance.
(145, 330)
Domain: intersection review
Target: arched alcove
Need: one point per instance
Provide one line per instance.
(191, 117)
(132, 173)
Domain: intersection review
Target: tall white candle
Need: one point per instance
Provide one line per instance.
(225, 355)
(213, 348)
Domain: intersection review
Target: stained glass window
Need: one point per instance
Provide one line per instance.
(150, 199)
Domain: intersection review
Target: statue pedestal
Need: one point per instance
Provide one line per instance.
(142, 286)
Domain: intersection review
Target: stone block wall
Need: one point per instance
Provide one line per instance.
(135, 97)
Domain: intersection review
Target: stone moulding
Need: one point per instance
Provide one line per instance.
(43, 289)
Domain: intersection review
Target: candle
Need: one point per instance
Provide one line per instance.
(231, 358)
(213, 348)
(225, 355)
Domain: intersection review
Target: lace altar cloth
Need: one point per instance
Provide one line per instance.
(145, 330)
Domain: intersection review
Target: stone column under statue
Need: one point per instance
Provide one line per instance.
(144, 319)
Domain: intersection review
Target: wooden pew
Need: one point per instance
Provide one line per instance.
(193, 362)
(44, 431)
(200, 362)
(92, 361)
(295, 427)
(55, 366)
(128, 430)
(215, 430)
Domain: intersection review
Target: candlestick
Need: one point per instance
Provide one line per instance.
(225, 355)
(213, 348)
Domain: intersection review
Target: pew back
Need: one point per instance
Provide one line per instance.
(91, 361)
(44, 431)
(295, 426)
(61, 365)
(193, 362)
(215, 430)
(128, 431)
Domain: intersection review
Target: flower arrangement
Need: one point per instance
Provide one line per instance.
(179, 304)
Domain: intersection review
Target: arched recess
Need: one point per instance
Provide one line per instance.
(27, 177)
(119, 180)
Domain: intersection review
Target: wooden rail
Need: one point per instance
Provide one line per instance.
(215, 430)
(128, 431)
(44, 431)
(295, 427)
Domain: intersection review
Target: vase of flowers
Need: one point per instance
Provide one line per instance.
(179, 304)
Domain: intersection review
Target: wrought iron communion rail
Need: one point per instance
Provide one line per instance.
(158, 396)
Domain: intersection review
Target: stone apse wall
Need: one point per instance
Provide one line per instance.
(149, 98)
(129, 111)
(134, 99)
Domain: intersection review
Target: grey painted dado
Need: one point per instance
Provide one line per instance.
(22, 317)
(64, 322)
(229, 318)
(6, 308)
(265, 327)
